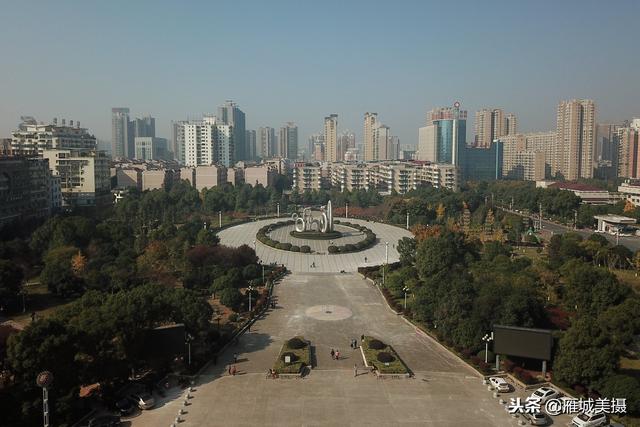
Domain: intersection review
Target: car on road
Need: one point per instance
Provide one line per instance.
(537, 419)
(545, 393)
(500, 384)
(143, 400)
(589, 419)
(105, 421)
(125, 406)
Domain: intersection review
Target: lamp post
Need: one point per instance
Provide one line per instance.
(263, 283)
(346, 210)
(407, 220)
(278, 207)
(250, 289)
(219, 219)
(405, 290)
(487, 338)
(254, 246)
(44, 380)
(188, 338)
(384, 267)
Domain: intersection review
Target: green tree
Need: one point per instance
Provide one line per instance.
(10, 282)
(230, 297)
(407, 250)
(58, 274)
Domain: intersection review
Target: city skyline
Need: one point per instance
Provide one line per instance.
(430, 68)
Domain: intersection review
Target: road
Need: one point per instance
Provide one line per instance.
(631, 242)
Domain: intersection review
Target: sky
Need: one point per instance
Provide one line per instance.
(303, 60)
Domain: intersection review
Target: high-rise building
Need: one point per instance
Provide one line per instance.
(576, 139)
(381, 139)
(122, 134)
(331, 138)
(232, 115)
(150, 148)
(144, 127)
(370, 123)
(449, 133)
(31, 138)
(491, 125)
(288, 141)
(266, 142)
(177, 140)
(628, 143)
(250, 144)
(207, 142)
(25, 189)
(315, 140)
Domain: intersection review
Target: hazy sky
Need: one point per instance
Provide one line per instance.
(301, 60)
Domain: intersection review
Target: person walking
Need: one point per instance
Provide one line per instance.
(337, 354)
(351, 344)
(355, 370)
(233, 370)
(235, 357)
(333, 354)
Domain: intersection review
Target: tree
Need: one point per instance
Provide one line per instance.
(230, 297)
(625, 386)
(585, 353)
(10, 282)
(57, 274)
(407, 250)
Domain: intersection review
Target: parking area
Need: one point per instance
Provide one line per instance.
(330, 310)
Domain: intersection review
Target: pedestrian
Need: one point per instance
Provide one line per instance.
(351, 344)
(355, 370)
(235, 357)
(233, 370)
(361, 339)
(333, 354)
(229, 369)
(337, 354)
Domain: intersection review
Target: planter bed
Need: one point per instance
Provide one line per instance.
(302, 358)
(395, 367)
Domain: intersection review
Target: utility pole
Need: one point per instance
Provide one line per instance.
(407, 220)
(346, 210)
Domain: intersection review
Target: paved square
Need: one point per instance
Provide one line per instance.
(444, 391)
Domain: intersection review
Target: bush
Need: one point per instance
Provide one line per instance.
(490, 355)
(349, 247)
(305, 249)
(291, 355)
(385, 357)
(332, 249)
(295, 248)
(376, 344)
(296, 343)
(626, 386)
(233, 317)
(285, 246)
(280, 246)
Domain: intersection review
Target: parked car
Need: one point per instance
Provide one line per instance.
(537, 419)
(125, 406)
(143, 399)
(589, 419)
(500, 384)
(545, 393)
(104, 421)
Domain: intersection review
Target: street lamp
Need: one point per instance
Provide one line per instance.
(254, 246)
(405, 290)
(44, 380)
(384, 267)
(188, 338)
(487, 338)
(407, 220)
(250, 289)
(346, 210)
(263, 283)
(219, 219)
(278, 207)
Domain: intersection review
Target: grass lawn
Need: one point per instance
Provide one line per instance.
(302, 358)
(40, 301)
(628, 277)
(397, 366)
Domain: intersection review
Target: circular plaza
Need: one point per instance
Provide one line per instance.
(319, 260)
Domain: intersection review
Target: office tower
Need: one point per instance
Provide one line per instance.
(511, 124)
(224, 137)
(265, 142)
(288, 141)
(150, 148)
(144, 127)
(370, 123)
(331, 138)
(315, 140)
(427, 144)
(448, 132)
(122, 134)
(393, 152)
(381, 137)
(627, 141)
(346, 143)
(491, 125)
(177, 140)
(232, 115)
(250, 144)
(576, 139)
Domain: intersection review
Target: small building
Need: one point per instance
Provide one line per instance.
(589, 194)
(610, 223)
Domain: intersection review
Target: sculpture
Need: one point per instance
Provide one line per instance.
(306, 221)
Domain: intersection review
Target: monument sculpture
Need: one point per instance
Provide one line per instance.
(306, 222)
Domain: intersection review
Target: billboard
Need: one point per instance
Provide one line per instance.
(522, 342)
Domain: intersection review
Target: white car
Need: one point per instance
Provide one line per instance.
(589, 419)
(544, 394)
(500, 384)
(143, 400)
